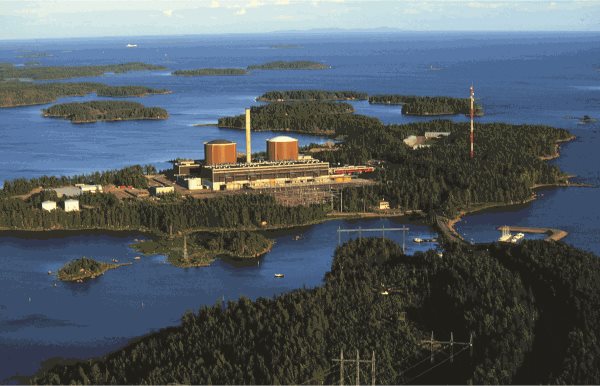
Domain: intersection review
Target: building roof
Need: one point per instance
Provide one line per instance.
(282, 138)
(218, 142)
(70, 201)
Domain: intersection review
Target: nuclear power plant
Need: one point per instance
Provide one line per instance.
(283, 166)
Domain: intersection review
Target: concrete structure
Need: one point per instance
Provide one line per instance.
(220, 151)
(71, 205)
(264, 174)
(186, 167)
(248, 141)
(158, 190)
(282, 148)
(194, 184)
(436, 134)
(85, 188)
(68, 191)
(416, 142)
(49, 205)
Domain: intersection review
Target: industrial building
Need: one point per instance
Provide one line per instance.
(71, 205)
(85, 188)
(49, 206)
(284, 166)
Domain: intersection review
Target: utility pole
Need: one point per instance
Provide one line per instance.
(341, 367)
(373, 369)
(357, 369)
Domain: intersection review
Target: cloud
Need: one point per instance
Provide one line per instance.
(254, 4)
(168, 12)
(284, 17)
(484, 5)
(241, 11)
(282, 2)
(215, 4)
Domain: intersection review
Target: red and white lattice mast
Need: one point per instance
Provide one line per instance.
(472, 114)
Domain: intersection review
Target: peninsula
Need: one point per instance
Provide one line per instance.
(84, 268)
(89, 112)
(9, 71)
(211, 72)
(425, 105)
(293, 65)
(16, 93)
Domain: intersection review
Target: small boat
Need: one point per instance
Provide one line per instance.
(418, 240)
(49, 272)
(298, 237)
(129, 45)
(279, 275)
(137, 258)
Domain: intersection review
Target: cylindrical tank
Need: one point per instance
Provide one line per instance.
(282, 148)
(220, 151)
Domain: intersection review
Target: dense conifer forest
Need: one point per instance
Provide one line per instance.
(322, 95)
(311, 117)
(425, 105)
(211, 72)
(15, 93)
(87, 112)
(512, 299)
(65, 72)
(292, 65)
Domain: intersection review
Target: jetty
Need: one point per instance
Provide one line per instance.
(553, 233)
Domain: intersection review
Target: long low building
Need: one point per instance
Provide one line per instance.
(263, 174)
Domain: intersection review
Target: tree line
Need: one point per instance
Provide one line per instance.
(129, 176)
(377, 299)
(84, 112)
(321, 95)
(211, 72)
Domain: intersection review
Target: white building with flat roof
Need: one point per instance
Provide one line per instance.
(158, 190)
(49, 205)
(85, 188)
(71, 205)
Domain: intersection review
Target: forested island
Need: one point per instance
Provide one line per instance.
(311, 95)
(203, 247)
(84, 268)
(425, 105)
(211, 72)
(311, 117)
(512, 300)
(8, 71)
(292, 65)
(15, 93)
(89, 112)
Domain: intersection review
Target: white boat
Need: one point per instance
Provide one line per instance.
(279, 275)
(418, 240)
(137, 258)
(129, 45)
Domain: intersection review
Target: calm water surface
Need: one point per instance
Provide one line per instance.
(519, 78)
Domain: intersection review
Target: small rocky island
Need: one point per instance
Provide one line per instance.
(89, 112)
(84, 268)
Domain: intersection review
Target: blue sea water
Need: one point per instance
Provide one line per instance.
(519, 78)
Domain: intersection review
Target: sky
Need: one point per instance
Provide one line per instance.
(34, 19)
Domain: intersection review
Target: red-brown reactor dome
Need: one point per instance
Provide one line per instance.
(282, 148)
(220, 151)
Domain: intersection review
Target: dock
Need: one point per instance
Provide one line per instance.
(553, 234)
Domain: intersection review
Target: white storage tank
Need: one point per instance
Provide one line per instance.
(71, 205)
(49, 205)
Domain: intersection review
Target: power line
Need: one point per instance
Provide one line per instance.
(436, 365)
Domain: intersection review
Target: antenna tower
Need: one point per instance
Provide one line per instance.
(472, 114)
